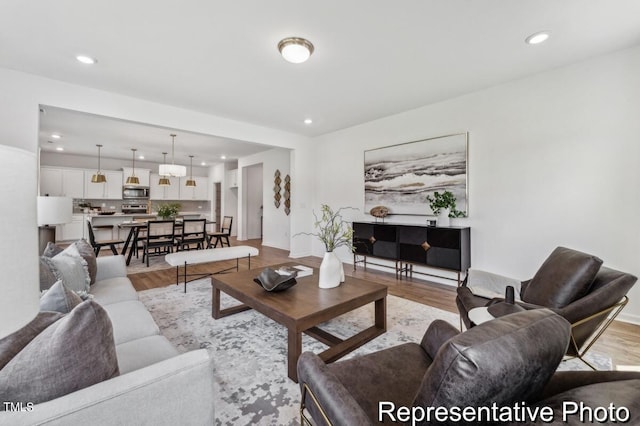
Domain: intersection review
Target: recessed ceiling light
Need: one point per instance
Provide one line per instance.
(56, 136)
(308, 121)
(141, 157)
(88, 60)
(295, 49)
(203, 164)
(223, 157)
(59, 148)
(537, 38)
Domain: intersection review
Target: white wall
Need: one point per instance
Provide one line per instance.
(553, 160)
(276, 230)
(252, 191)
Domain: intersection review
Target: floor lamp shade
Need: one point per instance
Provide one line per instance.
(19, 303)
(54, 210)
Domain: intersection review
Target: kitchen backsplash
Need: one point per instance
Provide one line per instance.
(116, 205)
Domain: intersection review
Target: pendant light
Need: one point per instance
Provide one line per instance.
(98, 177)
(133, 179)
(172, 169)
(191, 181)
(164, 181)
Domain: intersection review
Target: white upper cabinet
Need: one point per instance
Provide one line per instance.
(198, 192)
(61, 182)
(157, 192)
(142, 174)
(111, 190)
(50, 182)
(73, 183)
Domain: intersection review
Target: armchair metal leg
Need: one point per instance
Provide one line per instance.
(303, 419)
(611, 312)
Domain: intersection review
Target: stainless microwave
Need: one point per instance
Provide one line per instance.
(132, 192)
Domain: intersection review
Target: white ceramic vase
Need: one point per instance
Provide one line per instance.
(331, 271)
(443, 218)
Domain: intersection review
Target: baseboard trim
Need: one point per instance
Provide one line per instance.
(630, 318)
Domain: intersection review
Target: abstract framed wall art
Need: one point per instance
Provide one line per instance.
(401, 176)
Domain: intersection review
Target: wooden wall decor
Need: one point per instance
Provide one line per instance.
(287, 195)
(276, 188)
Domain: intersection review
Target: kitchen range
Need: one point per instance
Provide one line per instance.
(135, 207)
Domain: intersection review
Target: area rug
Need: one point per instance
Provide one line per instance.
(250, 350)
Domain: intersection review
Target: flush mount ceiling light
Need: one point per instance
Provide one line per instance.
(537, 38)
(87, 60)
(295, 49)
(133, 179)
(191, 181)
(98, 177)
(172, 169)
(164, 181)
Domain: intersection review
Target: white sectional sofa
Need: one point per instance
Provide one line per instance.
(157, 385)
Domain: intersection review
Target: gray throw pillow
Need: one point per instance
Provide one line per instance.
(87, 253)
(73, 353)
(52, 249)
(48, 275)
(13, 343)
(59, 299)
(73, 270)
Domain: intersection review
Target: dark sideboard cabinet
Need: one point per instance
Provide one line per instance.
(407, 245)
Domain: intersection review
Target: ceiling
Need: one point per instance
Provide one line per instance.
(373, 58)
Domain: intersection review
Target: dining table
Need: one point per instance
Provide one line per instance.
(135, 227)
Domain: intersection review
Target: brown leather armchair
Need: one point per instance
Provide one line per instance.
(508, 361)
(572, 284)
(500, 361)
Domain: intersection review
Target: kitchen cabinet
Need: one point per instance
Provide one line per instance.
(142, 174)
(73, 230)
(110, 190)
(51, 182)
(232, 178)
(62, 182)
(157, 192)
(198, 192)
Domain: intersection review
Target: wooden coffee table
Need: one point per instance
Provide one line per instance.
(303, 307)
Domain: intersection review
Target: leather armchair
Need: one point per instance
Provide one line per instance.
(571, 283)
(509, 360)
(501, 361)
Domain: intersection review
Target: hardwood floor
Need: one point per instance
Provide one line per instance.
(621, 341)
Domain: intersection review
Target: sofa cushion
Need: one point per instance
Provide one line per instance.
(565, 276)
(500, 361)
(625, 393)
(59, 299)
(113, 290)
(131, 321)
(13, 343)
(86, 251)
(74, 352)
(140, 353)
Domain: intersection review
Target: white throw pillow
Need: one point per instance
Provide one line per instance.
(73, 270)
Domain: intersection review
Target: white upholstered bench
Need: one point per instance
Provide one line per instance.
(192, 257)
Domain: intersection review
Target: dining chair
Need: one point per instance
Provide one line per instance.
(221, 237)
(160, 238)
(98, 244)
(193, 232)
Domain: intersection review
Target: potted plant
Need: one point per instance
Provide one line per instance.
(167, 211)
(334, 232)
(443, 205)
